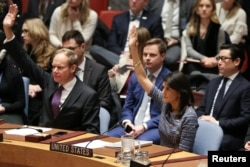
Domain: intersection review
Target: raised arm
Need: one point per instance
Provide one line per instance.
(9, 21)
(138, 67)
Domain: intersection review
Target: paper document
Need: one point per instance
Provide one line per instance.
(26, 130)
(93, 144)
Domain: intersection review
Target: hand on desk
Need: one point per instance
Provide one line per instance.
(208, 118)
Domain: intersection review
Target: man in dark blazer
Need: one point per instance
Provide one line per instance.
(79, 104)
(34, 9)
(185, 10)
(232, 112)
(148, 129)
(93, 74)
(118, 37)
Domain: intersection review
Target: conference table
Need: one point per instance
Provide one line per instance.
(16, 151)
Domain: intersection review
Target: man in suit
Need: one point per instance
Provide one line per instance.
(75, 106)
(118, 38)
(153, 57)
(229, 109)
(180, 13)
(42, 9)
(93, 74)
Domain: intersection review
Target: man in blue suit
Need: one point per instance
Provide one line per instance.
(118, 38)
(232, 111)
(146, 127)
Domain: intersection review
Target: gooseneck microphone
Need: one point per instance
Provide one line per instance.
(28, 127)
(169, 155)
(114, 126)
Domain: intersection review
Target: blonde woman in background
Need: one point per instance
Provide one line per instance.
(72, 15)
(233, 19)
(37, 45)
(204, 37)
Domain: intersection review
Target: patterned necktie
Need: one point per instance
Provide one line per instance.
(144, 105)
(220, 97)
(55, 102)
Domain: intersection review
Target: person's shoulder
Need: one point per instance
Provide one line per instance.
(150, 15)
(84, 89)
(165, 71)
(121, 15)
(92, 14)
(96, 65)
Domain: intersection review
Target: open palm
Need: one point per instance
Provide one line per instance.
(10, 17)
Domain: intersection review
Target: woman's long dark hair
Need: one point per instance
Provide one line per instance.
(179, 82)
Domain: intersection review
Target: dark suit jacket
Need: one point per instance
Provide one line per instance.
(134, 99)
(234, 114)
(96, 76)
(185, 10)
(33, 10)
(119, 31)
(11, 89)
(80, 111)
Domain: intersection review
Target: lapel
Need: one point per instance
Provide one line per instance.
(73, 96)
(234, 85)
(213, 92)
(143, 19)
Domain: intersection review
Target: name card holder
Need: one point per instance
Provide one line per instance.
(69, 149)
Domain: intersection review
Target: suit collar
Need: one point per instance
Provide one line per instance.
(234, 85)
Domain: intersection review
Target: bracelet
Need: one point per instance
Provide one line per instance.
(137, 64)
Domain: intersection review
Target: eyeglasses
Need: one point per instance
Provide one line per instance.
(71, 48)
(222, 58)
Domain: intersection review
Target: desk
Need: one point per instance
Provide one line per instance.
(18, 153)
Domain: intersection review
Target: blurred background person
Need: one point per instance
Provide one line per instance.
(204, 36)
(12, 99)
(72, 15)
(37, 45)
(233, 20)
(42, 9)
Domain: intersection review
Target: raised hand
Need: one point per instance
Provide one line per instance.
(133, 37)
(9, 19)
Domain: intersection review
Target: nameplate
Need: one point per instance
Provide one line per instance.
(65, 148)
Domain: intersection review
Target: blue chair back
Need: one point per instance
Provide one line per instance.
(208, 137)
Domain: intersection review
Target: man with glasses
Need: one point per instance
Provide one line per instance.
(93, 74)
(227, 99)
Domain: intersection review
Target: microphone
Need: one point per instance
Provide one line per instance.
(173, 150)
(169, 155)
(114, 126)
(27, 127)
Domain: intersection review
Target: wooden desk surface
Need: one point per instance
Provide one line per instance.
(18, 153)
